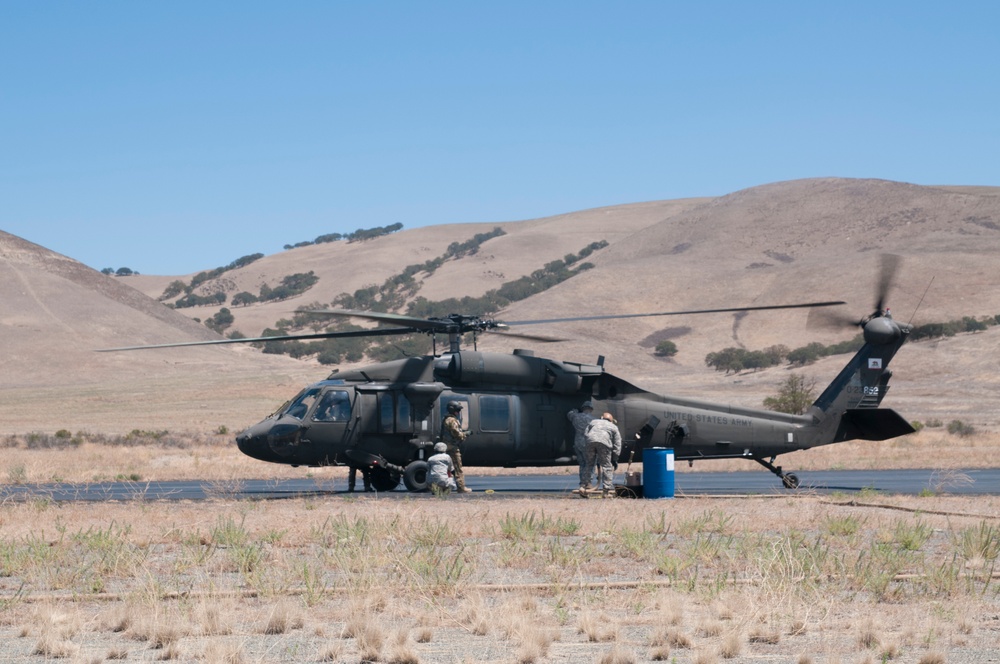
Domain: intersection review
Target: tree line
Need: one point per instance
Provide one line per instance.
(734, 360)
(334, 351)
(359, 235)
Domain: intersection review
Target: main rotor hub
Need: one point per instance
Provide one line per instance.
(882, 330)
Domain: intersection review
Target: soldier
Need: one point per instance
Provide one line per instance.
(352, 478)
(604, 444)
(440, 468)
(580, 420)
(453, 436)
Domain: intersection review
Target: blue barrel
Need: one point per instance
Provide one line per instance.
(657, 472)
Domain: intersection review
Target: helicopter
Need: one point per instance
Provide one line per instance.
(385, 418)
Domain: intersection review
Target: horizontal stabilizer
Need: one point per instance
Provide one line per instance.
(872, 424)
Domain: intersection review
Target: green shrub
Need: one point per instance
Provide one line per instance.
(666, 348)
(960, 428)
(794, 395)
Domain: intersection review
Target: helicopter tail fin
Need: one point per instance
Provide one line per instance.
(848, 408)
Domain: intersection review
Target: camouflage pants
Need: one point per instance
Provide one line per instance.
(581, 456)
(599, 456)
(456, 458)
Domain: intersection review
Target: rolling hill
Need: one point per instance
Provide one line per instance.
(803, 240)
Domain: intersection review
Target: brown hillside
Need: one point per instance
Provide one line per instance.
(785, 242)
(343, 267)
(57, 312)
(792, 242)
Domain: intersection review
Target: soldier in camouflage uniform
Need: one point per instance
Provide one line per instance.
(604, 445)
(580, 420)
(453, 436)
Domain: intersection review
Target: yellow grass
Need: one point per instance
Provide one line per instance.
(429, 580)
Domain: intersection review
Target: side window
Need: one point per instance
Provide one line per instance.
(386, 412)
(334, 406)
(402, 413)
(494, 413)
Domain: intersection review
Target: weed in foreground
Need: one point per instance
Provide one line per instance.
(911, 536)
(282, 619)
(224, 652)
(530, 526)
(842, 526)
(597, 629)
(769, 637)
(213, 618)
(660, 654)
(868, 638)
(731, 646)
(618, 655)
(704, 656)
(370, 639)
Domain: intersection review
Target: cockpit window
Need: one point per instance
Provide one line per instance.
(300, 405)
(334, 406)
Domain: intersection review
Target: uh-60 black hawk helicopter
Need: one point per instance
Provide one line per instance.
(385, 418)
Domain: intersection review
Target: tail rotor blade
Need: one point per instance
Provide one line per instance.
(887, 275)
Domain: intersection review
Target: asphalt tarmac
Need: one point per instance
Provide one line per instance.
(912, 482)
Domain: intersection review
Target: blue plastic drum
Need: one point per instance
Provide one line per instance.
(657, 472)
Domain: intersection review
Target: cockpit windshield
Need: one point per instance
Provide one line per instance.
(301, 404)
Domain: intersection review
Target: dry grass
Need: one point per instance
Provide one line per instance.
(352, 580)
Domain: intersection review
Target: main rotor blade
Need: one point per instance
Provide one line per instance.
(422, 324)
(678, 313)
(529, 337)
(380, 332)
(829, 319)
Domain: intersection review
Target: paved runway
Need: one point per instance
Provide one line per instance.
(913, 482)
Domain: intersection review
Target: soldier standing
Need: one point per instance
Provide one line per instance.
(453, 436)
(581, 419)
(352, 478)
(604, 444)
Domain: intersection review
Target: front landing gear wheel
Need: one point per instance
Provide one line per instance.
(790, 480)
(384, 480)
(415, 476)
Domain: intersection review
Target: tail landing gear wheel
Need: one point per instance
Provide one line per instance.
(384, 480)
(790, 480)
(415, 476)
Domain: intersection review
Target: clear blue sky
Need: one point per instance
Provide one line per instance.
(171, 137)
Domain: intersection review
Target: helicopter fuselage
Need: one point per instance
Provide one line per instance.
(515, 408)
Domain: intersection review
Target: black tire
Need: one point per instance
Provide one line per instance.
(790, 480)
(416, 477)
(384, 480)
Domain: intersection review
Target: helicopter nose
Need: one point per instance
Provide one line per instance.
(253, 443)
